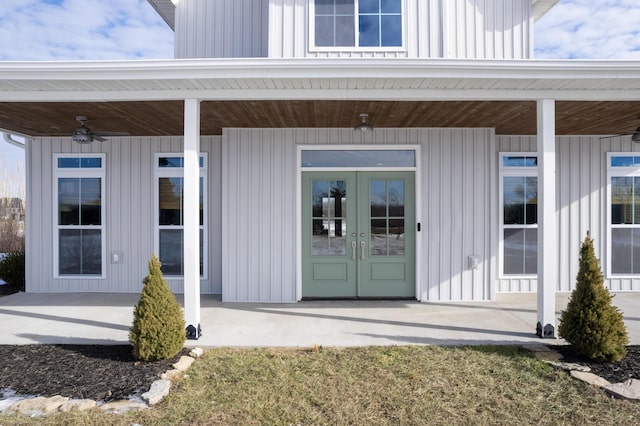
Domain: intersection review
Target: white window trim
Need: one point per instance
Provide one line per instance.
(79, 173)
(317, 49)
(505, 171)
(160, 172)
(617, 172)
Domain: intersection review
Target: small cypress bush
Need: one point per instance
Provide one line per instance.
(12, 270)
(158, 330)
(591, 324)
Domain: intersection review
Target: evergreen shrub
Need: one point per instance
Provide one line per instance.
(158, 330)
(12, 270)
(591, 324)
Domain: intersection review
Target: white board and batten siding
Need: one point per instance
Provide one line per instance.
(129, 208)
(259, 209)
(581, 191)
(475, 29)
(221, 29)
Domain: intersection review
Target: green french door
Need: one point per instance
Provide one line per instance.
(358, 235)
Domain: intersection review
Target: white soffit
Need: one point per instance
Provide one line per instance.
(348, 79)
(541, 7)
(166, 9)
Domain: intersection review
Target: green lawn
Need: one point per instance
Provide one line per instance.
(379, 385)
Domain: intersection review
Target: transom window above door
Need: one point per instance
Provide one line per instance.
(357, 23)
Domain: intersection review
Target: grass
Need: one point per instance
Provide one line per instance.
(381, 385)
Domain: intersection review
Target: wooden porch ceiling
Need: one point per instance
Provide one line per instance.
(159, 118)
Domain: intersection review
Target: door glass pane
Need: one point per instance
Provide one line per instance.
(395, 237)
(329, 212)
(396, 198)
(378, 198)
(378, 237)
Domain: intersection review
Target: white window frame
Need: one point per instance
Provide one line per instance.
(512, 171)
(632, 171)
(171, 172)
(355, 47)
(79, 173)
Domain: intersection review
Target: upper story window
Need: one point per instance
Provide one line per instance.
(357, 23)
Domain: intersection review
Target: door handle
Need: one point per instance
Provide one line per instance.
(353, 250)
(362, 247)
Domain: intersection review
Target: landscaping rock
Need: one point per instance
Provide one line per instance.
(78, 404)
(184, 363)
(627, 390)
(123, 406)
(159, 389)
(570, 366)
(172, 375)
(38, 406)
(590, 378)
(6, 404)
(196, 352)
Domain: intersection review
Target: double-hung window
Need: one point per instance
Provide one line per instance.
(169, 171)
(624, 214)
(357, 23)
(519, 214)
(79, 246)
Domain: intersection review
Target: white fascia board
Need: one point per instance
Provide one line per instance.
(147, 80)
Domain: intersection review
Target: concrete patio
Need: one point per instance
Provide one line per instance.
(84, 318)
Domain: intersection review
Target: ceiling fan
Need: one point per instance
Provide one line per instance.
(85, 135)
(635, 135)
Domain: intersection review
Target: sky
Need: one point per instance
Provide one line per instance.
(44, 30)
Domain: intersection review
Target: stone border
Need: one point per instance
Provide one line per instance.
(40, 406)
(629, 390)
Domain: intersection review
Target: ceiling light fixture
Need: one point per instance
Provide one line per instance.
(364, 125)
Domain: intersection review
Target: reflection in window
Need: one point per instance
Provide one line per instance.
(386, 201)
(519, 227)
(625, 220)
(170, 214)
(329, 217)
(379, 23)
(79, 227)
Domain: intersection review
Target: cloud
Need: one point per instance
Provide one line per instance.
(588, 29)
(37, 30)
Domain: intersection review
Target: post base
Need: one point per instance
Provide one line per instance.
(193, 333)
(546, 332)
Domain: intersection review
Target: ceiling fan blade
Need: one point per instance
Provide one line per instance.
(111, 133)
(615, 136)
(98, 138)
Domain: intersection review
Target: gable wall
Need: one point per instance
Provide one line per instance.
(129, 221)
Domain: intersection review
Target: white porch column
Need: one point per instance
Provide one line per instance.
(192, 217)
(547, 226)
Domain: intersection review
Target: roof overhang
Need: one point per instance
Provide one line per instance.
(541, 7)
(166, 9)
(41, 98)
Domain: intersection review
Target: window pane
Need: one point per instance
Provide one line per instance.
(625, 161)
(91, 162)
(325, 31)
(171, 162)
(519, 161)
(171, 251)
(396, 237)
(391, 30)
(369, 30)
(345, 31)
(622, 193)
(325, 7)
(68, 163)
(513, 199)
(622, 248)
(80, 252)
(378, 237)
(90, 201)
(520, 251)
(391, 6)
(531, 200)
(369, 6)
(68, 201)
(359, 158)
(171, 201)
(345, 7)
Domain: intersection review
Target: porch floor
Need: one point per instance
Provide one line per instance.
(83, 318)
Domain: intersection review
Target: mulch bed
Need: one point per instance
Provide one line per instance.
(615, 372)
(98, 372)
